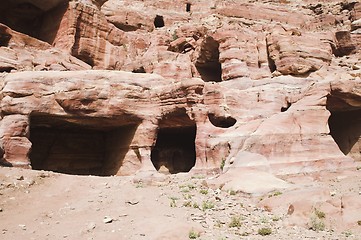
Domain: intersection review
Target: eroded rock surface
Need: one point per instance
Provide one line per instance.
(264, 96)
(271, 86)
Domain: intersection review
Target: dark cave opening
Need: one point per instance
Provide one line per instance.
(6, 69)
(188, 7)
(208, 64)
(271, 63)
(220, 121)
(210, 71)
(24, 17)
(174, 150)
(69, 148)
(4, 37)
(139, 70)
(31, 19)
(285, 108)
(345, 127)
(158, 21)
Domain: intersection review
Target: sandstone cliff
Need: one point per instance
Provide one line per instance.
(114, 87)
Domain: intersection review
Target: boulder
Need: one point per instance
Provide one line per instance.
(298, 54)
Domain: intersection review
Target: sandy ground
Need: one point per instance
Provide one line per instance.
(46, 205)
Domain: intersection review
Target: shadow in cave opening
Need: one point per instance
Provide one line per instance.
(29, 19)
(175, 150)
(345, 126)
(65, 147)
(208, 64)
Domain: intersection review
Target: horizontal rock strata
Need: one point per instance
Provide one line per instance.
(114, 87)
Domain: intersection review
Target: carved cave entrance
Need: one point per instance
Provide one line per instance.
(188, 7)
(345, 126)
(81, 146)
(207, 64)
(221, 121)
(174, 150)
(158, 21)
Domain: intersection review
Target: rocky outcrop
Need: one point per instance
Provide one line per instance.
(84, 105)
(21, 52)
(84, 32)
(291, 52)
(356, 11)
(249, 85)
(356, 25)
(288, 129)
(344, 44)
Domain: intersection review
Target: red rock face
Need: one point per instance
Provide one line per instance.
(287, 51)
(21, 52)
(272, 85)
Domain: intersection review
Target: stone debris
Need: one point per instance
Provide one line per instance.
(22, 226)
(20, 178)
(91, 226)
(107, 219)
(133, 202)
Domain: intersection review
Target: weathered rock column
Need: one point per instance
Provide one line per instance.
(200, 117)
(14, 130)
(139, 155)
(201, 145)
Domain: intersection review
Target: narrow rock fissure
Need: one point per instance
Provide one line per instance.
(271, 62)
(188, 7)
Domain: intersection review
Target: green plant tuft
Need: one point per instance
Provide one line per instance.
(187, 196)
(232, 192)
(347, 233)
(264, 231)
(223, 162)
(264, 220)
(320, 214)
(317, 224)
(174, 36)
(207, 205)
(187, 204)
(275, 194)
(235, 222)
(193, 234)
(139, 185)
(173, 203)
(203, 191)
